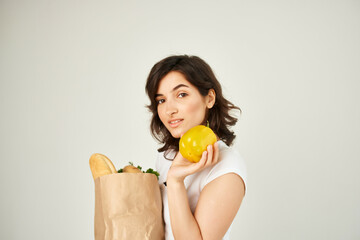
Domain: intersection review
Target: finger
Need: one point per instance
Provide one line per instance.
(210, 155)
(216, 152)
(195, 167)
(203, 160)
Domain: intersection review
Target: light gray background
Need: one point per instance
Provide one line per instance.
(72, 84)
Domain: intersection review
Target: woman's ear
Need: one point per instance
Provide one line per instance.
(210, 98)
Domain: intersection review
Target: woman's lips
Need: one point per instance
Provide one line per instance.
(175, 123)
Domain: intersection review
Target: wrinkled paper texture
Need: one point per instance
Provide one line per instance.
(128, 206)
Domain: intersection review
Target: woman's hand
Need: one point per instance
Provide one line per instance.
(181, 167)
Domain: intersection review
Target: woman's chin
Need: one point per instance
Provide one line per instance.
(176, 134)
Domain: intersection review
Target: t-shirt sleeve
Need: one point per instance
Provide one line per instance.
(230, 162)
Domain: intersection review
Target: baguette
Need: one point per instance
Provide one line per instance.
(100, 165)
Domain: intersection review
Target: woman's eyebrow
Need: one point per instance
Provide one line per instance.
(174, 89)
(179, 86)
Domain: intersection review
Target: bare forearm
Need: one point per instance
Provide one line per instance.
(183, 222)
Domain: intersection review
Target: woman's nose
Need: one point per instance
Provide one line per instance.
(171, 108)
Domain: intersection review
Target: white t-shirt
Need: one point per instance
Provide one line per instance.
(230, 161)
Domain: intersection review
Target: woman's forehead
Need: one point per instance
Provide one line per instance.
(172, 81)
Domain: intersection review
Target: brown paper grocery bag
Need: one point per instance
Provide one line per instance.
(128, 206)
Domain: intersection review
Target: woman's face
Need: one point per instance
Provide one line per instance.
(180, 104)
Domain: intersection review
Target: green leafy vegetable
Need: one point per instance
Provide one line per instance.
(150, 170)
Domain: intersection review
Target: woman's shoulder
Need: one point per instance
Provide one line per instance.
(229, 154)
(230, 161)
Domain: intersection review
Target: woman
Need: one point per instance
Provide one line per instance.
(201, 199)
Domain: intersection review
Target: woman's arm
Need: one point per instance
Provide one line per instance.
(183, 223)
(218, 203)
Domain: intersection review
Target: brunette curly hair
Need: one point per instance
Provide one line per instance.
(199, 74)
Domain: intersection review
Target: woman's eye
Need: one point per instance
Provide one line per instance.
(160, 101)
(182, 95)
